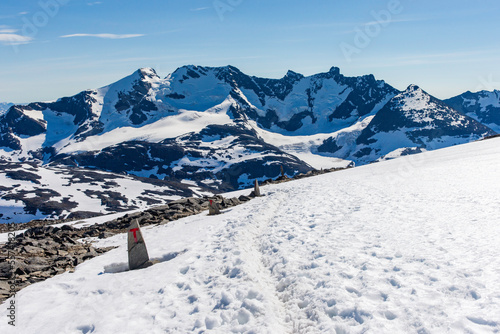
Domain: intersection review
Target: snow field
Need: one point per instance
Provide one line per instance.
(403, 246)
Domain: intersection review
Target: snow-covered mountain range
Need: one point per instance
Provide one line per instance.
(483, 106)
(410, 122)
(220, 129)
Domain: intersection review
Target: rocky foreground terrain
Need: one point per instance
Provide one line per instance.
(44, 250)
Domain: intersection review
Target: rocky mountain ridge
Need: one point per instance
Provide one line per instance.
(483, 106)
(217, 129)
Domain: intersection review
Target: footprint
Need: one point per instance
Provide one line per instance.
(243, 316)
(303, 304)
(211, 322)
(224, 301)
(355, 314)
(474, 294)
(347, 276)
(389, 315)
(394, 283)
(232, 272)
(481, 321)
(86, 329)
(331, 302)
(332, 312)
(352, 290)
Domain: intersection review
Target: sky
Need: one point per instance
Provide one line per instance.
(55, 48)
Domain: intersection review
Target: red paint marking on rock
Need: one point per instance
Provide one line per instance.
(134, 230)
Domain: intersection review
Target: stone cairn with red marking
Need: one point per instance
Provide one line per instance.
(213, 208)
(137, 252)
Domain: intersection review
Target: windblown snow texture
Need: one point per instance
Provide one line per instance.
(402, 246)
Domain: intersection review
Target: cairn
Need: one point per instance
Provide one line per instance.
(213, 208)
(137, 252)
(256, 189)
(282, 177)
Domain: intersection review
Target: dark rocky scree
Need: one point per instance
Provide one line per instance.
(40, 253)
(38, 197)
(45, 251)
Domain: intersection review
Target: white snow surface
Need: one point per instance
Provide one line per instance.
(409, 245)
(4, 106)
(169, 127)
(306, 147)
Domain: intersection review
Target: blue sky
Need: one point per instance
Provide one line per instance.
(55, 48)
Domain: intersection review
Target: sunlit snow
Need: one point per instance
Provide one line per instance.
(403, 246)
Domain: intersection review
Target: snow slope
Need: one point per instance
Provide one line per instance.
(304, 147)
(403, 246)
(4, 106)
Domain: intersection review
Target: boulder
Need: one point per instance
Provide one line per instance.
(244, 198)
(104, 235)
(177, 207)
(32, 250)
(67, 228)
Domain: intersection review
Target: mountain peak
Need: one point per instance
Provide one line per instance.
(413, 88)
(334, 70)
(294, 76)
(195, 71)
(147, 72)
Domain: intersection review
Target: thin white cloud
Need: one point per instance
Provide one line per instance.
(94, 3)
(200, 8)
(13, 39)
(22, 13)
(106, 36)
(8, 31)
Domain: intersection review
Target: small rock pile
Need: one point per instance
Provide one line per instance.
(40, 253)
